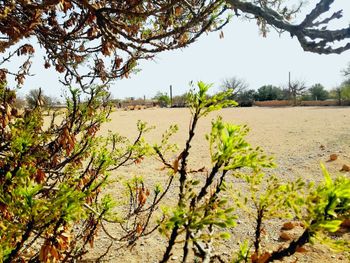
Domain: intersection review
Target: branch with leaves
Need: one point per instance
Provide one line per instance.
(103, 40)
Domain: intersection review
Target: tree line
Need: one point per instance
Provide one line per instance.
(294, 91)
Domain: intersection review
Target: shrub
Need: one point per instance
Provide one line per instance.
(51, 178)
(203, 212)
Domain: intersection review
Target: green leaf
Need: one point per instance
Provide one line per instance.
(331, 226)
(225, 235)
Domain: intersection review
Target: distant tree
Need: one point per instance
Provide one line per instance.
(246, 98)
(240, 94)
(297, 88)
(285, 94)
(318, 92)
(162, 98)
(20, 102)
(269, 92)
(180, 100)
(335, 93)
(36, 97)
(346, 71)
(345, 90)
(236, 84)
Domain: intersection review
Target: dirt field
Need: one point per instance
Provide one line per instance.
(298, 137)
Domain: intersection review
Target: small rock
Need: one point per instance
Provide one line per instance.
(322, 147)
(345, 168)
(333, 157)
(288, 226)
(285, 236)
(302, 224)
(345, 223)
(174, 258)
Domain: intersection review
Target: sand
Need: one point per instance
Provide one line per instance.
(299, 138)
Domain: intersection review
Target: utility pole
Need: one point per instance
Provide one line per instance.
(171, 96)
(289, 88)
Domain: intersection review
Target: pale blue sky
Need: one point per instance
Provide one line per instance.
(242, 53)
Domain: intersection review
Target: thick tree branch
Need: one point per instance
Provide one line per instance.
(310, 37)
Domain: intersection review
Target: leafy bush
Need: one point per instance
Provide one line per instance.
(163, 99)
(203, 212)
(318, 92)
(36, 97)
(51, 178)
(269, 92)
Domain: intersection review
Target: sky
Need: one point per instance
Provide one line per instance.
(242, 53)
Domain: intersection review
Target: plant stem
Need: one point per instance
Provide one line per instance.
(19, 245)
(293, 246)
(258, 230)
(185, 248)
(171, 243)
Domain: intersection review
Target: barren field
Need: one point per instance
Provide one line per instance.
(299, 138)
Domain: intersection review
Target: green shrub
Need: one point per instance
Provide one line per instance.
(51, 178)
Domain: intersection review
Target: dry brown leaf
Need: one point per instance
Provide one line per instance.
(301, 224)
(285, 236)
(91, 241)
(345, 223)
(255, 258)
(301, 250)
(176, 165)
(40, 176)
(54, 252)
(288, 226)
(345, 168)
(44, 252)
(333, 157)
(178, 11)
(142, 197)
(139, 228)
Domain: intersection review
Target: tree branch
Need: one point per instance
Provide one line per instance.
(310, 38)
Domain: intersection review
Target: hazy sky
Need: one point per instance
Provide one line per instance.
(242, 53)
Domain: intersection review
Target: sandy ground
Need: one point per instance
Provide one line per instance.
(298, 137)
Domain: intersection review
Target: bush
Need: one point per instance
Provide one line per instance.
(269, 92)
(36, 97)
(163, 99)
(51, 178)
(203, 213)
(318, 92)
(246, 98)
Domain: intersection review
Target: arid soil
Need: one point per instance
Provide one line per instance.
(299, 138)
